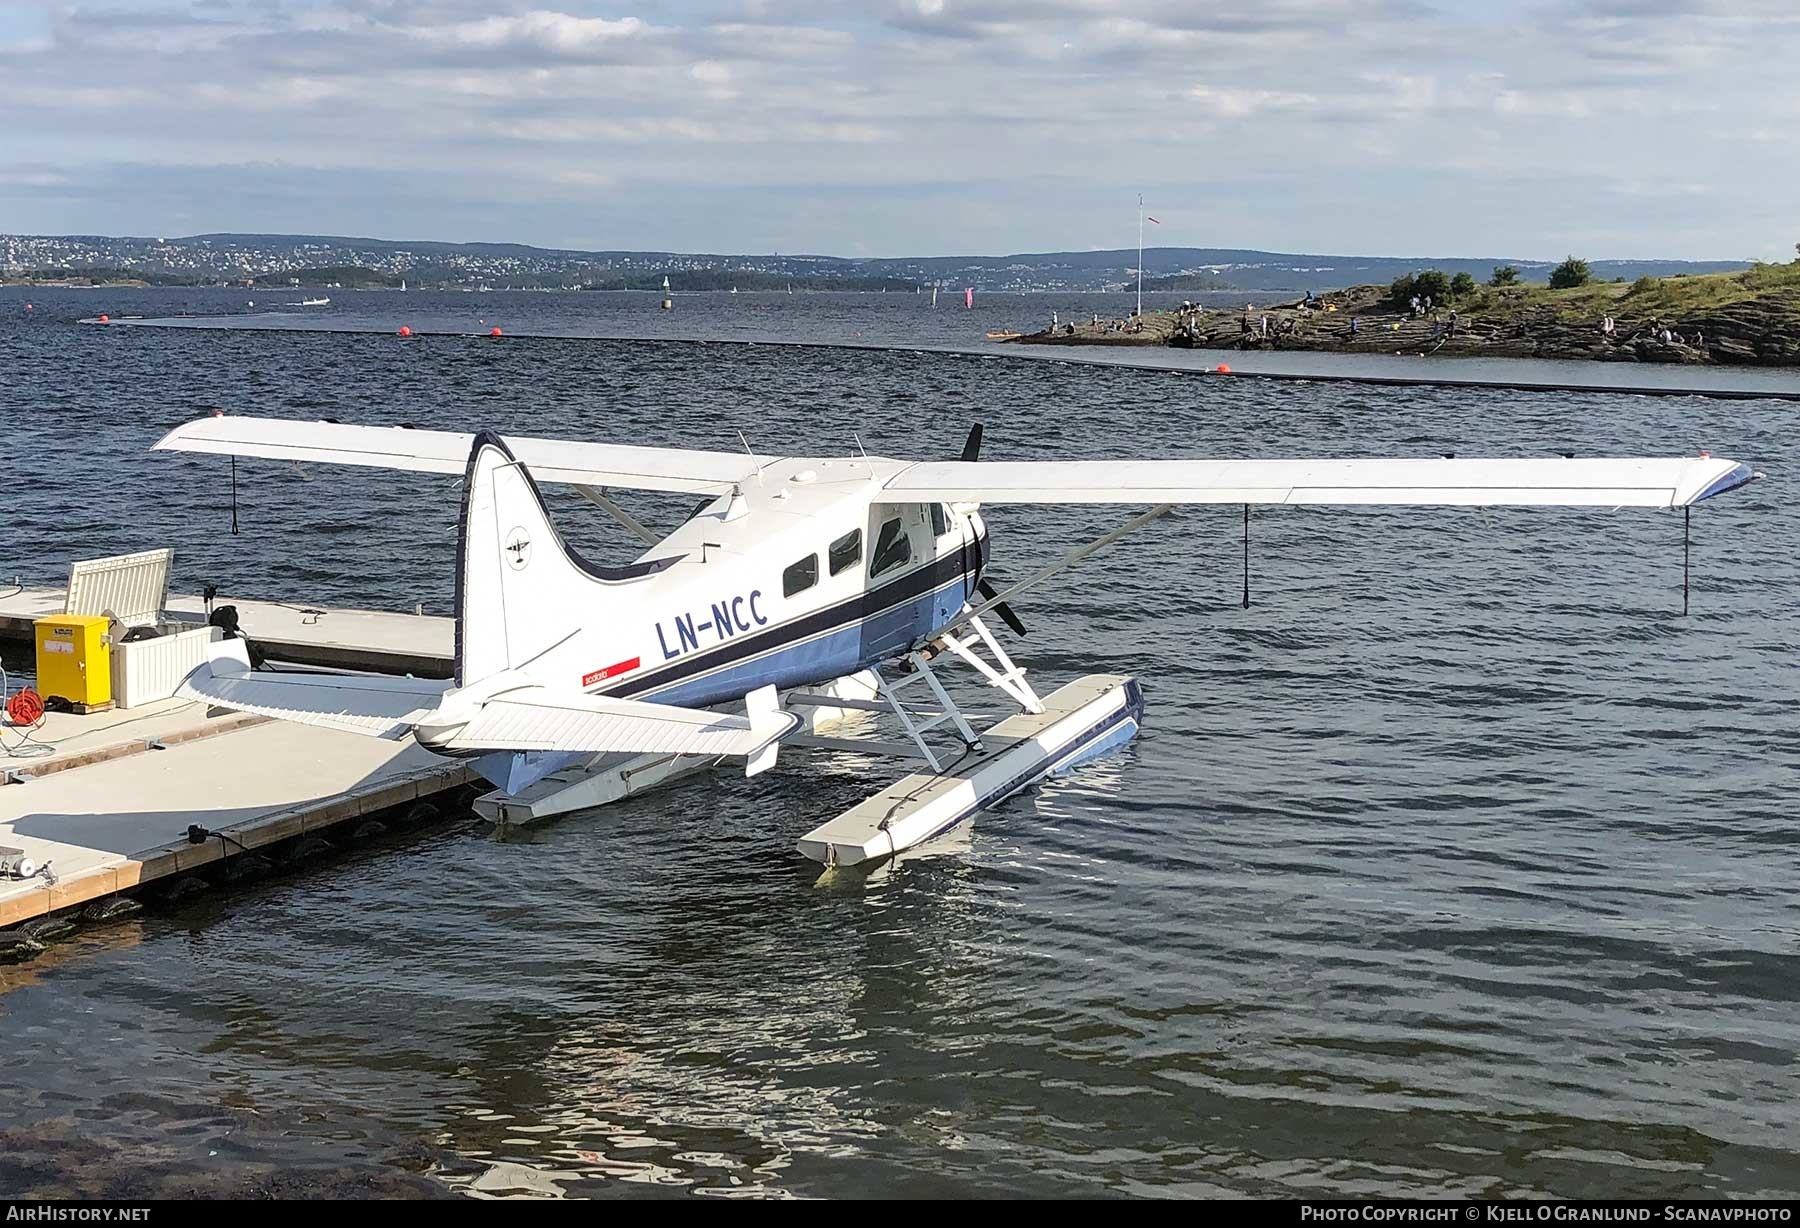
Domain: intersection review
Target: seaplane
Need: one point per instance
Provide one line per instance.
(804, 594)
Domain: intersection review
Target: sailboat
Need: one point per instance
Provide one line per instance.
(934, 296)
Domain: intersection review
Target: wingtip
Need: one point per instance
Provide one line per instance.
(1735, 476)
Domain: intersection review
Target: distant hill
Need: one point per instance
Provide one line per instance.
(262, 257)
(1210, 268)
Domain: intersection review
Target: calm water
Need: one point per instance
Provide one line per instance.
(1458, 863)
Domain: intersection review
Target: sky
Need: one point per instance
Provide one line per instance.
(1508, 128)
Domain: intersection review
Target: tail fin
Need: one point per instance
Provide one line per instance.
(519, 590)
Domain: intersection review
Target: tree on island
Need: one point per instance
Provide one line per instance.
(1433, 284)
(1461, 286)
(1570, 273)
(1504, 275)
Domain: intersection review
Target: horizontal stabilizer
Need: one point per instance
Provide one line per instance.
(353, 703)
(536, 718)
(1469, 482)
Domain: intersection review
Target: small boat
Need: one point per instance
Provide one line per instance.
(1002, 335)
(315, 302)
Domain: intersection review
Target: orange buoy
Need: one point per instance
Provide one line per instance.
(1222, 369)
(493, 332)
(106, 319)
(405, 331)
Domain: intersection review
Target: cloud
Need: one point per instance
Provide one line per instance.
(910, 125)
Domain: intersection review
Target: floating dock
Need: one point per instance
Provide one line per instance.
(109, 802)
(295, 633)
(109, 809)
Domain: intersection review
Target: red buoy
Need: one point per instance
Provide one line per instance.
(1222, 369)
(493, 332)
(106, 319)
(405, 330)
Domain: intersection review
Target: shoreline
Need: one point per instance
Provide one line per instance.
(1510, 322)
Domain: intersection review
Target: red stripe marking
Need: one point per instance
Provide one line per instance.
(611, 671)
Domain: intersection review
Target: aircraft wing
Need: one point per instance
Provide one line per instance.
(620, 466)
(1580, 482)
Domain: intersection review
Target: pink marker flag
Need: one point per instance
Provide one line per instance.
(969, 297)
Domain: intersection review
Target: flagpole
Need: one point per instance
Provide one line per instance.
(1140, 306)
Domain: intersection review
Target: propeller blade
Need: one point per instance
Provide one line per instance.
(1004, 609)
(972, 445)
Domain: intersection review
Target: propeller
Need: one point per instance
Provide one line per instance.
(972, 452)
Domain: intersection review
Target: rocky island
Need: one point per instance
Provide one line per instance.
(1746, 318)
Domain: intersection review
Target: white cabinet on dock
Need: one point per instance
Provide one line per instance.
(151, 654)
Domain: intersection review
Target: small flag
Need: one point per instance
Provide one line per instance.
(1151, 220)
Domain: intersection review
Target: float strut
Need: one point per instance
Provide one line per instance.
(1246, 556)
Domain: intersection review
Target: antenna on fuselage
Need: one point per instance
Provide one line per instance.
(753, 459)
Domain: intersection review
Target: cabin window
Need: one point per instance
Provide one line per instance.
(846, 551)
(801, 576)
(892, 547)
(940, 523)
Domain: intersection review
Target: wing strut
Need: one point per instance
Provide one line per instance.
(1687, 517)
(1246, 556)
(995, 600)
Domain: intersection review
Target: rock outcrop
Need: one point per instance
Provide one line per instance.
(1760, 327)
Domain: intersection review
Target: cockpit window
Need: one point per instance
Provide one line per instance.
(940, 523)
(893, 547)
(801, 576)
(846, 551)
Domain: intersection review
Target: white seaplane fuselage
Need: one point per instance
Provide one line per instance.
(801, 576)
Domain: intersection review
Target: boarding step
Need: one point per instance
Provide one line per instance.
(1083, 719)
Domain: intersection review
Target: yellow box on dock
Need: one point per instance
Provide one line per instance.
(74, 660)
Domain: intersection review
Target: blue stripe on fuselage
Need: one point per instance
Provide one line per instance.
(825, 657)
